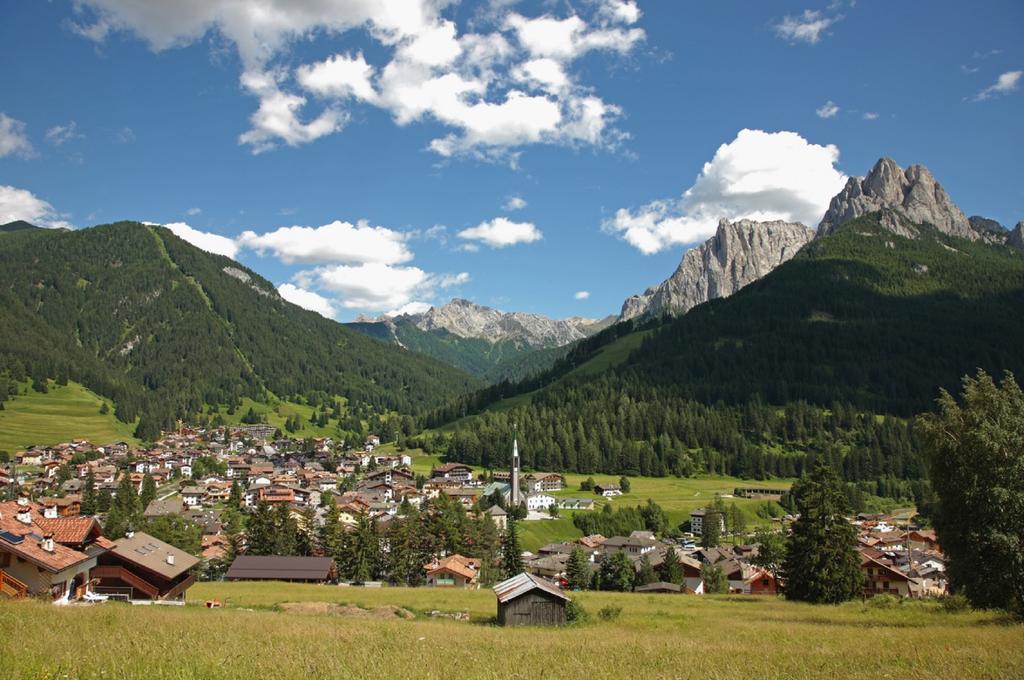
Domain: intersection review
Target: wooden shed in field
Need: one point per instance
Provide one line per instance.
(528, 600)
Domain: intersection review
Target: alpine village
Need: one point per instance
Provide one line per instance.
(800, 455)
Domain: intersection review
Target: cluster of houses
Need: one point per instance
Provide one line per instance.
(902, 562)
(48, 547)
(68, 559)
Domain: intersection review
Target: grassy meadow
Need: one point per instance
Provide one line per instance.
(62, 414)
(655, 636)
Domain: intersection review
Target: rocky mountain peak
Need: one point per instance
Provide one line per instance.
(469, 320)
(739, 253)
(1016, 239)
(912, 193)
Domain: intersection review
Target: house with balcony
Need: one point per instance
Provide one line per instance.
(32, 559)
(140, 567)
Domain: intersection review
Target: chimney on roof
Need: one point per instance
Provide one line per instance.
(50, 512)
(24, 514)
(129, 534)
(47, 543)
(170, 559)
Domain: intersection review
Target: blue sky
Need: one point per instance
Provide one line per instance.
(426, 118)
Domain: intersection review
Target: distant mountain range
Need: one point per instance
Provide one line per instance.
(483, 341)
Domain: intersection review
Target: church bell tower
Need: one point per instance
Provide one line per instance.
(514, 495)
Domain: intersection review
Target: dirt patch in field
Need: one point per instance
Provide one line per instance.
(335, 609)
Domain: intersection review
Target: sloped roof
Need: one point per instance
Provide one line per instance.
(152, 553)
(518, 586)
(279, 567)
(69, 529)
(25, 540)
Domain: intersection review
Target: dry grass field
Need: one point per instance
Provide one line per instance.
(656, 636)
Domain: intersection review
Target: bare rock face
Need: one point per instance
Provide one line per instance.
(469, 320)
(1016, 239)
(739, 253)
(989, 230)
(912, 193)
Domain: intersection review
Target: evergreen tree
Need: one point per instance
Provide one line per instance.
(624, 484)
(237, 497)
(511, 553)
(671, 570)
(286, 531)
(89, 499)
(577, 570)
(714, 579)
(617, 572)
(645, 574)
(148, 493)
(822, 565)
(711, 529)
(260, 533)
(306, 535)
(771, 551)
(104, 500)
(737, 520)
(976, 458)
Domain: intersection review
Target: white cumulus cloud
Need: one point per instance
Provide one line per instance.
(13, 139)
(306, 299)
(1005, 84)
(827, 110)
(806, 27)
(502, 232)
(335, 242)
(21, 204)
(582, 295)
(759, 175)
(372, 286)
(494, 90)
(208, 241)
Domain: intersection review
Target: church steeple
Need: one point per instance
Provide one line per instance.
(515, 467)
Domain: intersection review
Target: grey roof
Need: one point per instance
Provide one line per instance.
(152, 553)
(495, 511)
(278, 567)
(659, 587)
(517, 586)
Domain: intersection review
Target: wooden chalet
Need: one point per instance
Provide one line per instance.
(141, 567)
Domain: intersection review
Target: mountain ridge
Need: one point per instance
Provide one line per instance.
(165, 329)
(739, 253)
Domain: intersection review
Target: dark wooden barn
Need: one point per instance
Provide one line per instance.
(528, 600)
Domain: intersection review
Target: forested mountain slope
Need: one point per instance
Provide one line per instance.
(139, 315)
(860, 322)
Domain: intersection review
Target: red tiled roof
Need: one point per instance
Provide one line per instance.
(69, 529)
(25, 540)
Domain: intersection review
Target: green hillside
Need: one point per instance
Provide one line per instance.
(63, 413)
(162, 328)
